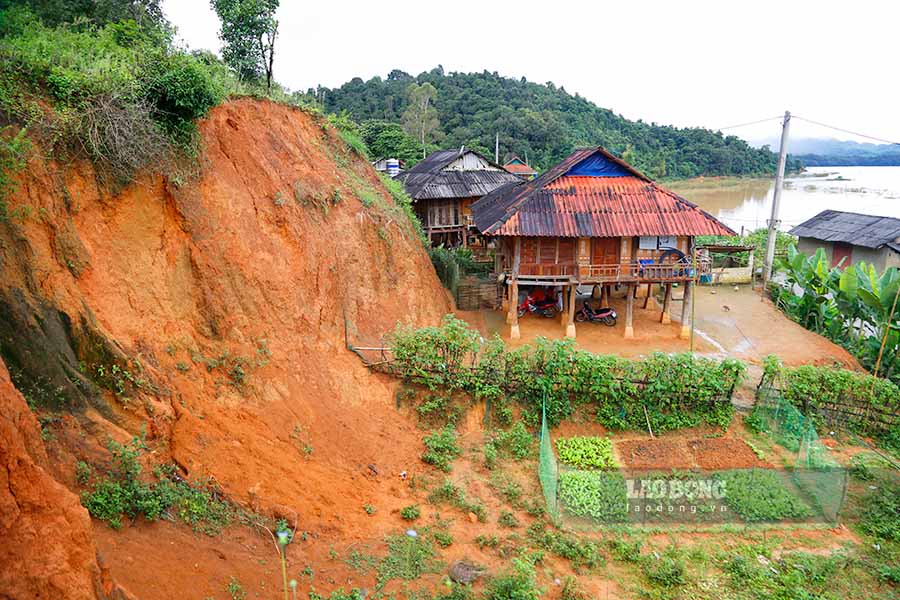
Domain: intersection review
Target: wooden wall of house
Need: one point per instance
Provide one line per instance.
(569, 250)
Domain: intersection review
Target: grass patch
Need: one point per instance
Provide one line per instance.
(122, 492)
(448, 493)
(409, 557)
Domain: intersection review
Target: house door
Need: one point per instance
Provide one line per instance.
(604, 254)
(840, 251)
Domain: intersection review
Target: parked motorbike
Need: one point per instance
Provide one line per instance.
(545, 307)
(605, 315)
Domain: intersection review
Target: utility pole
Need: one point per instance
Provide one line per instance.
(497, 148)
(776, 201)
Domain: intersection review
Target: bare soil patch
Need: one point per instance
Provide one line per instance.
(660, 454)
(724, 453)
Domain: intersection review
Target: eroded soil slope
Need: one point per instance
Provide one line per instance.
(211, 312)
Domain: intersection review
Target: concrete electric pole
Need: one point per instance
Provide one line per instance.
(776, 201)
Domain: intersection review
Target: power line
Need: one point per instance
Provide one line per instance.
(856, 133)
(746, 124)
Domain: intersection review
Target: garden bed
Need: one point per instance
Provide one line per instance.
(661, 454)
(679, 453)
(724, 453)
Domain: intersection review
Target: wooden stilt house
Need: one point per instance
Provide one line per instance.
(594, 220)
(443, 188)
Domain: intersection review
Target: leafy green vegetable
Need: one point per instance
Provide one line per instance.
(586, 452)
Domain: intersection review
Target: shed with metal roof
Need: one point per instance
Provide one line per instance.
(849, 237)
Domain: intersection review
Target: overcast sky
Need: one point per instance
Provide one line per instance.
(711, 64)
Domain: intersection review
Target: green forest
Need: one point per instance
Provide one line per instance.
(541, 121)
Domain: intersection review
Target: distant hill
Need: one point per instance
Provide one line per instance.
(829, 152)
(544, 123)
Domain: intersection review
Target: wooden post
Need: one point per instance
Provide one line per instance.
(667, 302)
(649, 294)
(686, 310)
(570, 327)
(629, 311)
(514, 333)
(564, 313)
(604, 295)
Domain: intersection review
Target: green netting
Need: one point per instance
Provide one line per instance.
(813, 469)
(548, 470)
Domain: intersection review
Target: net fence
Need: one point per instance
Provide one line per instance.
(808, 485)
(548, 469)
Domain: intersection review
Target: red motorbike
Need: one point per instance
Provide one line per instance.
(605, 315)
(546, 307)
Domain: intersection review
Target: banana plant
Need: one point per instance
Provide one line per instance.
(879, 301)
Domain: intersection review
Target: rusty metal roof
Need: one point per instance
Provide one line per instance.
(430, 179)
(558, 204)
(519, 169)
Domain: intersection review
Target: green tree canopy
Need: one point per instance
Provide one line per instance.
(542, 121)
(248, 32)
(420, 119)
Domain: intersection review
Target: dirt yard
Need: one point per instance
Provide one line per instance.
(728, 322)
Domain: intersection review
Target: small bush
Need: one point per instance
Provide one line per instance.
(666, 570)
(441, 448)
(410, 513)
(443, 538)
(507, 519)
(409, 557)
(517, 584)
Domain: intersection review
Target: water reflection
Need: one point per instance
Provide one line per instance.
(747, 204)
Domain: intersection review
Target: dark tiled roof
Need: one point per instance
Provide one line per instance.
(869, 231)
(428, 179)
(558, 204)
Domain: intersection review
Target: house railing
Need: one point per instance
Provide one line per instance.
(638, 271)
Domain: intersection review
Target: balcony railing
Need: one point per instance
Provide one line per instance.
(638, 271)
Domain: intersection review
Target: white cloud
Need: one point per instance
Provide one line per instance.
(684, 63)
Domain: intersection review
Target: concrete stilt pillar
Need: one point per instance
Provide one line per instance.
(514, 333)
(570, 313)
(629, 311)
(686, 310)
(667, 302)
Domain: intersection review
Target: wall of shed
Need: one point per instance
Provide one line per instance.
(470, 162)
(881, 258)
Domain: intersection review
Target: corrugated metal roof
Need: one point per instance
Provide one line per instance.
(870, 231)
(428, 180)
(557, 204)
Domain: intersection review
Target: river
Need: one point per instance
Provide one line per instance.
(747, 203)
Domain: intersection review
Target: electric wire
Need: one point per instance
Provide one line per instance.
(841, 129)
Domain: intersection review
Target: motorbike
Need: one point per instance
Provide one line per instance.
(605, 315)
(546, 307)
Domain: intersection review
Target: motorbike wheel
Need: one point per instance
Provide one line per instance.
(548, 313)
(579, 316)
(609, 321)
(521, 312)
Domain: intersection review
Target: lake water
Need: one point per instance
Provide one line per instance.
(748, 203)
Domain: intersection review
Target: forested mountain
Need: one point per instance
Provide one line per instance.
(542, 122)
